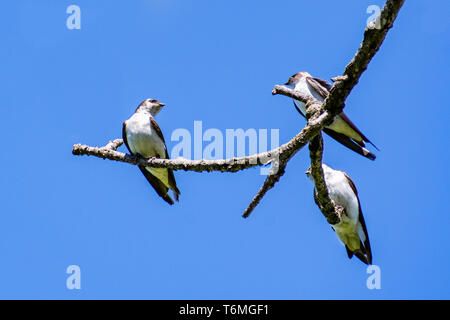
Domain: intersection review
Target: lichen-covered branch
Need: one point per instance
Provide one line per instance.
(228, 165)
(283, 153)
(373, 39)
(324, 201)
(335, 102)
(277, 172)
(292, 94)
(313, 112)
(319, 115)
(114, 145)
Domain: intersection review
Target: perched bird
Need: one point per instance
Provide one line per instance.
(342, 129)
(142, 136)
(351, 230)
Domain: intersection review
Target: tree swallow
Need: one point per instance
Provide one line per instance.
(142, 136)
(342, 129)
(352, 229)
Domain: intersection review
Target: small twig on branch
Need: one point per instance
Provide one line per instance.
(114, 145)
(292, 94)
(316, 121)
(277, 172)
(339, 78)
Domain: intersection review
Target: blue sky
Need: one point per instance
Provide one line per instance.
(216, 62)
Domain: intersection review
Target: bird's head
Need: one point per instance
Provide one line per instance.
(326, 171)
(151, 106)
(296, 78)
(308, 172)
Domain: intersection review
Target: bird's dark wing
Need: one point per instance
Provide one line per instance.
(324, 83)
(366, 244)
(351, 183)
(349, 252)
(358, 254)
(349, 143)
(124, 136)
(171, 176)
(319, 88)
(353, 126)
(173, 184)
(158, 131)
(323, 88)
(344, 140)
(361, 256)
(158, 185)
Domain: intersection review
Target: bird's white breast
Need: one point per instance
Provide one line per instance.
(349, 230)
(142, 138)
(303, 87)
(341, 193)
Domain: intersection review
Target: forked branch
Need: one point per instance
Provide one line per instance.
(319, 116)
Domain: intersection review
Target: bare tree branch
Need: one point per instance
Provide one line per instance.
(292, 94)
(114, 145)
(283, 153)
(373, 39)
(335, 102)
(270, 182)
(319, 115)
(229, 165)
(323, 200)
(314, 108)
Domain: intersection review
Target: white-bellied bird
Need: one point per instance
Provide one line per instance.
(351, 230)
(341, 129)
(143, 137)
